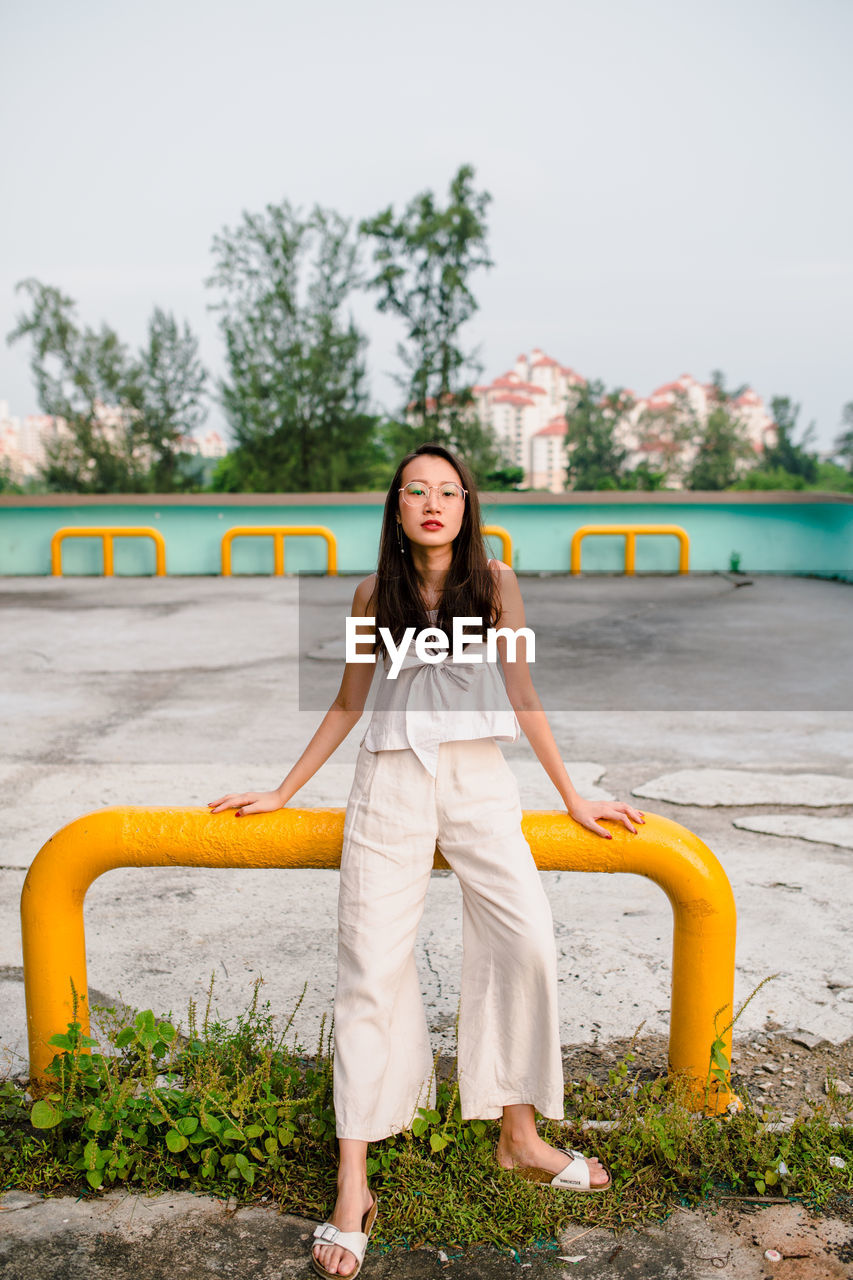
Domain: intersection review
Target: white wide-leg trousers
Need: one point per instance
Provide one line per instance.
(509, 1040)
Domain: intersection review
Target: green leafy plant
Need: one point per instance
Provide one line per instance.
(231, 1108)
(719, 1065)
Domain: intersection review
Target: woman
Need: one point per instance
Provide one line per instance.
(429, 768)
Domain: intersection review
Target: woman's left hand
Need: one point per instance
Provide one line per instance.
(587, 813)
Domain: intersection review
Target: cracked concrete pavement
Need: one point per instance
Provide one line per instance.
(173, 691)
(126, 1237)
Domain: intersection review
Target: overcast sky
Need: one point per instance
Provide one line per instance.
(671, 180)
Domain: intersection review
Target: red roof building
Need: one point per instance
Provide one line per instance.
(526, 407)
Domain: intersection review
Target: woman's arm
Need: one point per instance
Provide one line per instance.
(344, 713)
(534, 722)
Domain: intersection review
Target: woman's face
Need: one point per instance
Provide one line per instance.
(433, 519)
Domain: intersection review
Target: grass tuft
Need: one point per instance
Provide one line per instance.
(232, 1108)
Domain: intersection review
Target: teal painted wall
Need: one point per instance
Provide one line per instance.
(770, 536)
(193, 537)
(783, 538)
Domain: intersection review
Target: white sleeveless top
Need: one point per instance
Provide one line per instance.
(431, 703)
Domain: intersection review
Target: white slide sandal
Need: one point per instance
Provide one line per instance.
(354, 1241)
(574, 1177)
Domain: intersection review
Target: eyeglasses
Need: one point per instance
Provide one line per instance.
(416, 492)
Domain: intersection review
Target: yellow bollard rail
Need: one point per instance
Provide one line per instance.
(278, 532)
(630, 531)
(107, 533)
(495, 531)
(675, 859)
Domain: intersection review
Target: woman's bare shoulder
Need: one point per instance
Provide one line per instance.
(502, 572)
(509, 592)
(363, 592)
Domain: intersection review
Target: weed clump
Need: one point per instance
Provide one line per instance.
(232, 1108)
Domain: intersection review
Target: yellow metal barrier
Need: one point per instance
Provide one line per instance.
(675, 859)
(495, 531)
(630, 531)
(278, 532)
(107, 533)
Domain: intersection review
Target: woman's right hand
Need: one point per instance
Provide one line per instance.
(247, 802)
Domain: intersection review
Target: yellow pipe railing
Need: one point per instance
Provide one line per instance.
(278, 532)
(107, 533)
(675, 859)
(630, 531)
(495, 531)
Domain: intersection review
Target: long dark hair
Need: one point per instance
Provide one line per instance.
(469, 588)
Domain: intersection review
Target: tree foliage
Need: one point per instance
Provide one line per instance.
(646, 477)
(505, 476)
(596, 459)
(595, 442)
(425, 258)
(787, 454)
(665, 434)
(474, 441)
(295, 395)
(722, 445)
(844, 440)
(8, 483)
(122, 416)
(768, 479)
(170, 398)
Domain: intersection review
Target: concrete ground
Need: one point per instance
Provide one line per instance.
(174, 691)
(125, 1237)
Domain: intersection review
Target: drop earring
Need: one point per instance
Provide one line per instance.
(400, 537)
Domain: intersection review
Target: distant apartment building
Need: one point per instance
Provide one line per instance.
(210, 445)
(661, 429)
(526, 407)
(22, 440)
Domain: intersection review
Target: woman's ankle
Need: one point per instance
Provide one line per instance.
(352, 1165)
(352, 1180)
(518, 1126)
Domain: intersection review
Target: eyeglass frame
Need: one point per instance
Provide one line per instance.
(429, 488)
